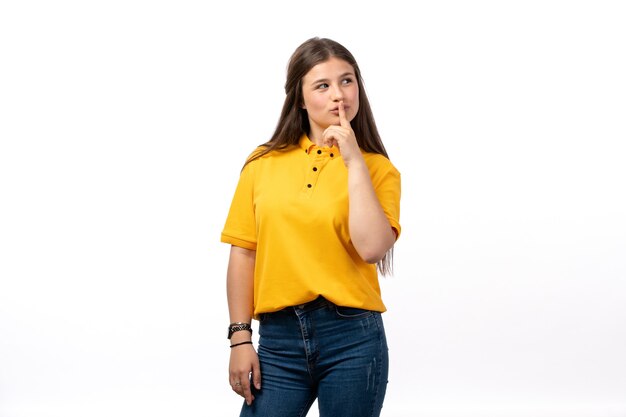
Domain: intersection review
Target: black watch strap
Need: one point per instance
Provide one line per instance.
(237, 327)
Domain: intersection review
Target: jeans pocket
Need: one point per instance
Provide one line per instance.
(352, 313)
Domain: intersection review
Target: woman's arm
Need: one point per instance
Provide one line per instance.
(239, 289)
(239, 285)
(370, 230)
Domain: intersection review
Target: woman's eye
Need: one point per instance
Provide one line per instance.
(323, 85)
(347, 81)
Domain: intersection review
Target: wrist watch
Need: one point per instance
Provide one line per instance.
(238, 326)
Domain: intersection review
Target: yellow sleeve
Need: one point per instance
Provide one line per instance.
(240, 227)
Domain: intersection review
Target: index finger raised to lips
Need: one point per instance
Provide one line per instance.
(342, 116)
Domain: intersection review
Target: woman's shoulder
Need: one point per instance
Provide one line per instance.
(262, 155)
(378, 163)
(264, 152)
(257, 152)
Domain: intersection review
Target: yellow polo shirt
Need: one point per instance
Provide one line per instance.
(292, 208)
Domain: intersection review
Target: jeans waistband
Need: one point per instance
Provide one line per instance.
(319, 302)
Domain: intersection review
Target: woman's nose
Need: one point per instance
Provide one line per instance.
(337, 94)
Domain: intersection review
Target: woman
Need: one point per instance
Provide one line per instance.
(315, 212)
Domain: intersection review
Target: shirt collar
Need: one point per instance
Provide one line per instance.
(306, 144)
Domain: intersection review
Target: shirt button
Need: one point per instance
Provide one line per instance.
(314, 168)
(309, 185)
(331, 155)
(319, 151)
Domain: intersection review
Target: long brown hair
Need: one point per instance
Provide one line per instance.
(294, 120)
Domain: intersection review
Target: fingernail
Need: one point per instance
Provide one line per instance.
(258, 385)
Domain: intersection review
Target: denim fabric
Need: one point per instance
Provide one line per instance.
(318, 350)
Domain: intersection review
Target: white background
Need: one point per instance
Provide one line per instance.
(124, 125)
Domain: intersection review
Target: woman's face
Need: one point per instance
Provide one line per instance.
(323, 87)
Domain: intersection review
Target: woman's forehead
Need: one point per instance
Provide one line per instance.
(331, 68)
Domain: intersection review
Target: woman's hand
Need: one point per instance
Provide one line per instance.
(343, 137)
(243, 361)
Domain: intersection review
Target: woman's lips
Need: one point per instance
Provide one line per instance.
(336, 111)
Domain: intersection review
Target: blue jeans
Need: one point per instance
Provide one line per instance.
(319, 350)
